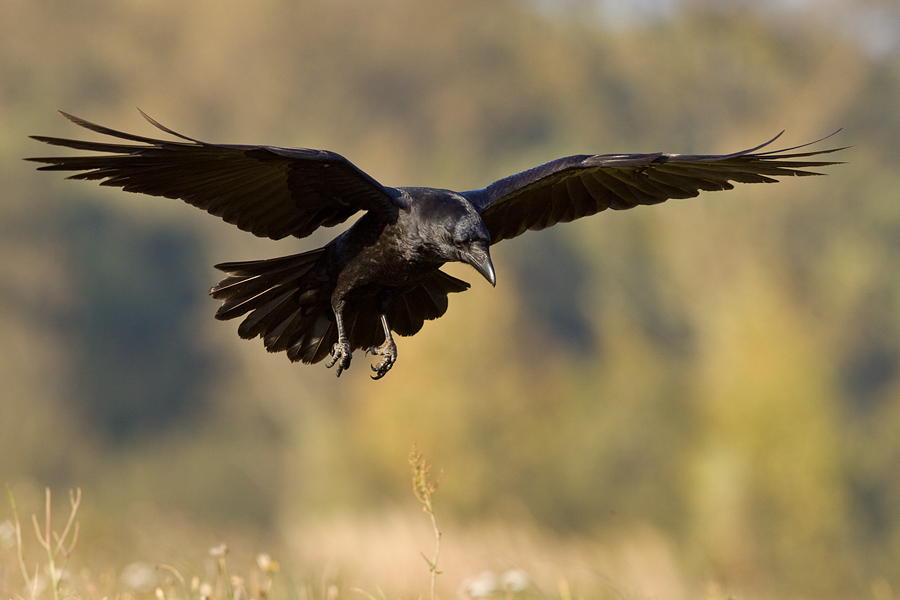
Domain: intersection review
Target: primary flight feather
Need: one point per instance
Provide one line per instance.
(382, 274)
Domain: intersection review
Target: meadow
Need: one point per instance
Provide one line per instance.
(699, 399)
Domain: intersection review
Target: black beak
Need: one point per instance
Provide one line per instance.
(479, 257)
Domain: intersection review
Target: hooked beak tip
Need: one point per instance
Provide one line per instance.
(484, 266)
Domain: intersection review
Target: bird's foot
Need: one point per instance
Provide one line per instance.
(388, 353)
(340, 356)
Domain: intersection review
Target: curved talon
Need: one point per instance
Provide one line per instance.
(340, 356)
(388, 351)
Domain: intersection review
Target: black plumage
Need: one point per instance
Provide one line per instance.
(383, 273)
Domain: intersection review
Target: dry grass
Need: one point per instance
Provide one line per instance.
(494, 560)
(379, 557)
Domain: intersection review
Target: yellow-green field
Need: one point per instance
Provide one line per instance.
(396, 555)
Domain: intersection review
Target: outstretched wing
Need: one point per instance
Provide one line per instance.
(569, 188)
(272, 192)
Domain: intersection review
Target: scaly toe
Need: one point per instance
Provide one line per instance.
(382, 368)
(340, 356)
(389, 357)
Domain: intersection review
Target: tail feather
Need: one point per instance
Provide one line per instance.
(287, 302)
(277, 339)
(285, 299)
(267, 316)
(239, 305)
(315, 340)
(293, 265)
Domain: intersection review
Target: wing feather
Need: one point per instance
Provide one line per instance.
(270, 191)
(578, 186)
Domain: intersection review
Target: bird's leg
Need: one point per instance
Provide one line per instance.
(387, 350)
(340, 352)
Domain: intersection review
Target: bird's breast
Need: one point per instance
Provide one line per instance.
(386, 254)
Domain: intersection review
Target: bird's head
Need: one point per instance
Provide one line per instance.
(470, 239)
(454, 230)
(473, 248)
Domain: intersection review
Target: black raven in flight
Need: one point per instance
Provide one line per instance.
(383, 274)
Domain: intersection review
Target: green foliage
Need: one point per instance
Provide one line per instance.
(137, 366)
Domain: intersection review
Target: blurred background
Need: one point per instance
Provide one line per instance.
(691, 400)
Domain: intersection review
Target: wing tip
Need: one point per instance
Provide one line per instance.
(112, 132)
(78, 120)
(162, 127)
(792, 148)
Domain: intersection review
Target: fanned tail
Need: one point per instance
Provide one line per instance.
(287, 302)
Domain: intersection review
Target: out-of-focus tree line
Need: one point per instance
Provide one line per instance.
(722, 370)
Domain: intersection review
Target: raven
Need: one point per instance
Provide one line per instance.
(383, 274)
